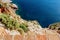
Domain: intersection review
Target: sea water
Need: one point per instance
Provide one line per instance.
(44, 11)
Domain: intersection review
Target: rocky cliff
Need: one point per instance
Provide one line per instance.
(13, 27)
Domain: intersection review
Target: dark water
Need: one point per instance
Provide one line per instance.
(45, 11)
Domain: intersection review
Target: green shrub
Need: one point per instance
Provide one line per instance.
(12, 24)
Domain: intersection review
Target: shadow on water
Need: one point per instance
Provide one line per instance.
(45, 11)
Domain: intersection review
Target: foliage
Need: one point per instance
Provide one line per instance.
(12, 24)
(54, 26)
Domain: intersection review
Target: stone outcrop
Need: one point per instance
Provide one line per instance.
(35, 32)
(46, 35)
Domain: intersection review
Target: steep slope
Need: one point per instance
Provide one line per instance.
(13, 27)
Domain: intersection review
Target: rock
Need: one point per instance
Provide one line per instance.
(41, 37)
(4, 35)
(6, 1)
(58, 31)
(52, 35)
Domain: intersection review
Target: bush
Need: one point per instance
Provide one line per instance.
(12, 24)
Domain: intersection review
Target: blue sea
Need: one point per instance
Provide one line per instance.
(44, 11)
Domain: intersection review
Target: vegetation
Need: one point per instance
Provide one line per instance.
(24, 27)
(12, 24)
(55, 26)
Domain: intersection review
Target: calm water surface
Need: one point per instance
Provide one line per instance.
(44, 11)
